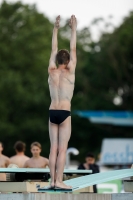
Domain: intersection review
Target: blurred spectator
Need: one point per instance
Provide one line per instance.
(20, 158)
(90, 164)
(4, 162)
(36, 161)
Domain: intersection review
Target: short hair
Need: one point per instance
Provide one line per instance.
(36, 144)
(89, 154)
(20, 146)
(2, 144)
(63, 57)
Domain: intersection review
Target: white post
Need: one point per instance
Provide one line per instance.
(73, 151)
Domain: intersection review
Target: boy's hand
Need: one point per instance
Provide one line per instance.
(73, 22)
(57, 23)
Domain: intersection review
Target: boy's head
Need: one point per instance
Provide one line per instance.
(36, 148)
(90, 158)
(63, 57)
(19, 146)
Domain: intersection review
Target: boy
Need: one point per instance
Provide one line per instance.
(36, 161)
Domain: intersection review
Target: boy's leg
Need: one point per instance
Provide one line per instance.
(53, 133)
(64, 136)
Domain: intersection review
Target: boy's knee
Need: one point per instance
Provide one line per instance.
(62, 150)
(54, 149)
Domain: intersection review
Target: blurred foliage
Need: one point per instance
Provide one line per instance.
(104, 71)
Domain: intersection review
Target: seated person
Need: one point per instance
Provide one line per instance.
(20, 158)
(90, 164)
(36, 161)
(4, 162)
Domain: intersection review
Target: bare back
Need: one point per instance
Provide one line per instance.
(4, 162)
(61, 86)
(19, 160)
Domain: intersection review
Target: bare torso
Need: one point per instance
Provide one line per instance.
(4, 162)
(61, 86)
(19, 160)
(39, 162)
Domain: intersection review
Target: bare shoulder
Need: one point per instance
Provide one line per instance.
(12, 157)
(26, 157)
(29, 160)
(6, 160)
(5, 157)
(44, 159)
(52, 66)
(71, 67)
(27, 163)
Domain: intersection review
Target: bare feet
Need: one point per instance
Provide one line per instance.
(52, 184)
(62, 185)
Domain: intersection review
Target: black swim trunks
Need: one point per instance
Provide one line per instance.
(58, 116)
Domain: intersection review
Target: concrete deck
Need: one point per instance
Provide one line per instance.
(68, 196)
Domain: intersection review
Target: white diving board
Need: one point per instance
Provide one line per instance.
(22, 174)
(88, 180)
(38, 170)
(102, 177)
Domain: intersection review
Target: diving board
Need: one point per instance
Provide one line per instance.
(88, 180)
(38, 170)
(22, 174)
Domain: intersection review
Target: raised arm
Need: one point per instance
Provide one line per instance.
(73, 57)
(52, 61)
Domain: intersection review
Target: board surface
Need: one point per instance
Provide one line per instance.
(93, 179)
(38, 170)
